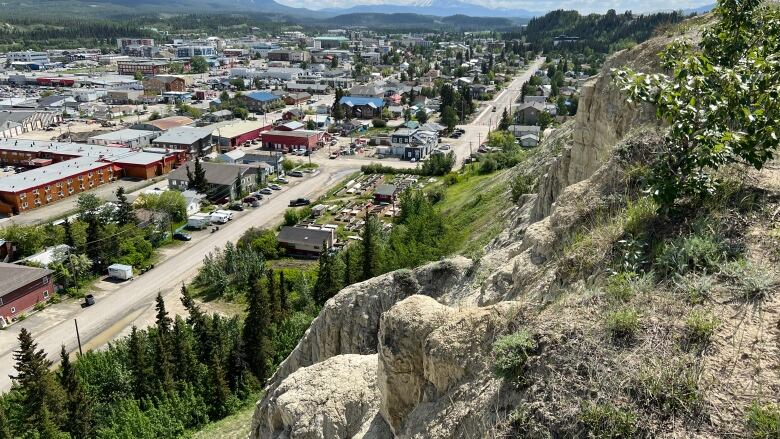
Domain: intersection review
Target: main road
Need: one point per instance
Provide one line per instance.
(133, 302)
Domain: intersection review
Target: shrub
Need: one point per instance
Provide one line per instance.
(671, 387)
(451, 178)
(623, 323)
(608, 421)
(621, 287)
(510, 354)
(488, 165)
(695, 252)
(521, 184)
(764, 421)
(378, 123)
(695, 287)
(750, 283)
(39, 306)
(700, 325)
(638, 214)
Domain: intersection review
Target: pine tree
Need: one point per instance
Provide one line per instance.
(68, 233)
(185, 362)
(163, 320)
(5, 428)
(238, 369)
(162, 364)
(219, 392)
(139, 364)
(328, 280)
(370, 245)
(503, 125)
(273, 297)
(124, 210)
(346, 254)
(78, 407)
(190, 178)
(256, 325)
(40, 391)
(199, 177)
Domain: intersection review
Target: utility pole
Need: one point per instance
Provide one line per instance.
(78, 336)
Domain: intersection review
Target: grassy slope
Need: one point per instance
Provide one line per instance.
(235, 426)
(476, 207)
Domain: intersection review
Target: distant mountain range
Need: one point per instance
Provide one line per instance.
(441, 8)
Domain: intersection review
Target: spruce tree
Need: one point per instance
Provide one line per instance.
(39, 390)
(273, 297)
(256, 326)
(346, 254)
(68, 233)
(124, 210)
(238, 369)
(5, 428)
(370, 246)
(190, 178)
(283, 298)
(328, 280)
(162, 364)
(219, 392)
(139, 364)
(185, 362)
(78, 407)
(163, 320)
(199, 177)
(503, 125)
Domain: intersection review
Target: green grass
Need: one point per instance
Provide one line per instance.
(235, 426)
(474, 207)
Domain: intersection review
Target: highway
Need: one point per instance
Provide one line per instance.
(132, 302)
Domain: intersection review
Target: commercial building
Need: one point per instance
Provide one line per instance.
(194, 140)
(329, 42)
(162, 83)
(28, 57)
(164, 124)
(231, 135)
(21, 287)
(416, 144)
(145, 66)
(190, 51)
(129, 138)
(305, 241)
(361, 107)
(261, 101)
(286, 141)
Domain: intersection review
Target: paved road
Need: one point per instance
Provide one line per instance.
(133, 302)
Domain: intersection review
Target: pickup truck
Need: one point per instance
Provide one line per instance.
(300, 202)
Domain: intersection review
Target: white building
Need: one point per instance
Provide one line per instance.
(28, 56)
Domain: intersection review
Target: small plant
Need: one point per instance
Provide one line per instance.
(510, 354)
(521, 184)
(696, 288)
(623, 324)
(623, 286)
(750, 283)
(671, 387)
(607, 421)
(700, 326)
(21, 317)
(639, 214)
(39, 306)
(764, 421)
(697, 252)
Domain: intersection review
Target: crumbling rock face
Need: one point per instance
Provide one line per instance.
(337, 398)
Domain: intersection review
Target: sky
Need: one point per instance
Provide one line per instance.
(584, 6)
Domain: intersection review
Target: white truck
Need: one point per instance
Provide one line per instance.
(219, 218)
(227, 213)
(198, 221)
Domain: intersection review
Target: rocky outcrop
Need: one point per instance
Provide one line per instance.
(337, 398)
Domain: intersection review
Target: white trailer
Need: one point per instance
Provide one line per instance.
(227, 213)
(120, 271)
(219, 218)
(198, 221)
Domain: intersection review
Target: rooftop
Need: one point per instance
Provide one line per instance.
(237, 128)
(126, 134)
(296, 133)
(47, 174)
(13, 276)
(371, 102)
(303, 235)
(262, 96)
(167, 123)
(216, 173)
(184, 135)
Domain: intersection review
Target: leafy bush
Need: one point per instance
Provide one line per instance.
(700, 325)
(750, 283)
(378, 123)
(521, 184)
(697, 252)
(623, 323)
(671, 387)
(696, 288)
(488, 165)
(764, 421)
(621, 287)
(39, 306)
(451, 178)
(607, 421)
(510, 354)
(638, 215)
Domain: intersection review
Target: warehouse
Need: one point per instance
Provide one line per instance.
(233, 134)
(129, 138)
(286, 141)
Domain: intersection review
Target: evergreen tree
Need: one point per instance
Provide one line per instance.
(370, 246)
(219, 392)
(239, 185)
(238, 369)
(256, 325)
(190, 178)
(139, 364)
(199, 177)
(78, 407)
(346, 255)
(273, 296)
(5, 428)
(163, 320)
(162, 364)
(68, 233)
(185, 362)
(503, 125)
(39, 391)
(328, 280)
(124, 210)
(283, 298)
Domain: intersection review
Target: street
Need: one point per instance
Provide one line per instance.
(132, 303)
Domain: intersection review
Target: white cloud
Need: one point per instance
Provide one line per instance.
(584, 6)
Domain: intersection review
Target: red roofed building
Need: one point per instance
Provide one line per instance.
(286, 141)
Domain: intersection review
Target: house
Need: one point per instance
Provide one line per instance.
(164, 124)
(155, 85)
(305, 241)
(385, 193)
(234, 156)
(128, 137)
(286, 141)
(260, 101)
(367, 91)
(21, 287)
(529, 113)
(521, 130)
(194, 140)
(274, 161)
(222, 179)
(218, 116)
(529, 140)
(416, 144)
(362, 108)
(291, 126)
(321, 121)
(193, 201)
(293, 114)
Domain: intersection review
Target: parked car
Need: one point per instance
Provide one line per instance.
(333, 156)
(275, 187)
(8, 169)
(282, 180)
(300, 202)
(256, 203)
(295, 174)
(236, 206)
(266, 191)
(181, 236)
(249, 199)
